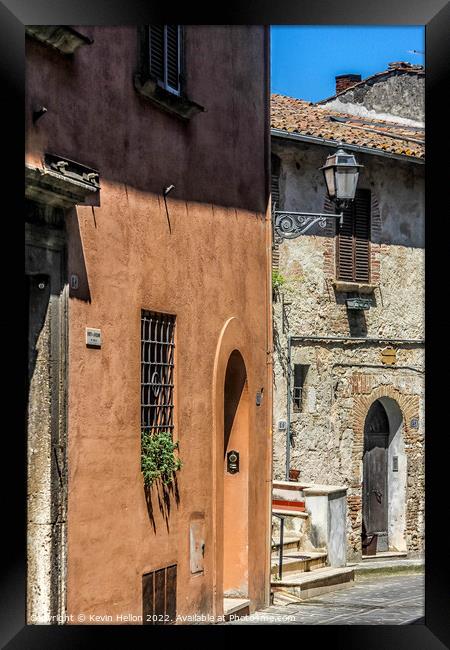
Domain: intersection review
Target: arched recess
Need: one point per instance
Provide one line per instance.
(230, 426)
(401, 410)
(384, 477)
(235, 484)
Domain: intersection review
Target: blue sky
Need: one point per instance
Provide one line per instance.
(306, 58)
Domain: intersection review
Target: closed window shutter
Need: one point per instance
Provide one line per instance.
(353, 252)
(346, 268)
(157, 51)
(173, 58)
(275, 193)
(362, 235)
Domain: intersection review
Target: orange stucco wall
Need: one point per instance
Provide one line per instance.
(206, 262)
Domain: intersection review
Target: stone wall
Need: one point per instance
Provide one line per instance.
(399, 94)
(344, 379)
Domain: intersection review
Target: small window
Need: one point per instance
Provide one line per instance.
(157, 366)
(300, 372)
(353, 240)
(165, 56)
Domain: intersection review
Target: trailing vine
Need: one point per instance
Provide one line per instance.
(277, 280)
(158, 460)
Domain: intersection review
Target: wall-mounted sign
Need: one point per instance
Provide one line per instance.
(282, 425)
(388, 356)
(233, 461)
(395, 463)
(415, 423)
(259, 398)
(74, 281)
(358, 303)
(93, 337)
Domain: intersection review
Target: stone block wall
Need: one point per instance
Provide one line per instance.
(344, 379)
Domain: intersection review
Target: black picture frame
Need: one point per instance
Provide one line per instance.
(434, 630)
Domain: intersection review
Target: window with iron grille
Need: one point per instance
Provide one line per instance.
(353, 240)
(300, 371)
(157, 371)
(165, 56)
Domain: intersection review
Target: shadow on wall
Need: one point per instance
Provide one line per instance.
(234, 385)
(164, 494)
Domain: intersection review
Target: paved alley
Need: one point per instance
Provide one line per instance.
(393, 600)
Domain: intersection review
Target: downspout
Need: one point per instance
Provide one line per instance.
(269, 328)
(288, 408)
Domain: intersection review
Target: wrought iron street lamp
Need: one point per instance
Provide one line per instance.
(341, 172)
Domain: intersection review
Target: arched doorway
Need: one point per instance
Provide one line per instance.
(384, 479)
(235, 482)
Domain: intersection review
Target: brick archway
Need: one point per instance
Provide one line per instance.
(409, 407)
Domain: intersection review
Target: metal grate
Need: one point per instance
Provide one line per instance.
(157, 363)
(159, 596)
(300, 372)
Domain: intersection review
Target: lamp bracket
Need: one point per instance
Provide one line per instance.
(289, 225)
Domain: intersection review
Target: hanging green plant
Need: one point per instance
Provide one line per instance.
(277, 280)
(158, 460)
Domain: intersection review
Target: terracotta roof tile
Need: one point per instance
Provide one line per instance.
(298, 116)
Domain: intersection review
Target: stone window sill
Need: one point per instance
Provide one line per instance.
(61, 37)
(358, 287)
(180, 106)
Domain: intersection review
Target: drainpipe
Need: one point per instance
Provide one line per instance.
(358, 339)
(269, 330)
(288, 408)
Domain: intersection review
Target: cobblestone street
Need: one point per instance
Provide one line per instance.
(381, 600)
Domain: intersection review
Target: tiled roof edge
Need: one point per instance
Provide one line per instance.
(315, 139)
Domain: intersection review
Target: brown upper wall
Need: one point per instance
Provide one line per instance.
(96, 116)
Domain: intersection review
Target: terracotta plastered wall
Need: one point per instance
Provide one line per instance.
(190, 258)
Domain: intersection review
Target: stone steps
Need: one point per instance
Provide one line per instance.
(298, 561)
(313, 583)
(388, 566)
(290, 542)
(235, 607)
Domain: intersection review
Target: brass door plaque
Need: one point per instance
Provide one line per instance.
(233, 461)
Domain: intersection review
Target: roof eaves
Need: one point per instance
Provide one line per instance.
(311, 139)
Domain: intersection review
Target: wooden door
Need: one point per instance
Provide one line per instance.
(375, 489)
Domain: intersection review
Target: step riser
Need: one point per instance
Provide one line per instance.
(305, 593)
(292, 546)
(244, 611)
(300, 565)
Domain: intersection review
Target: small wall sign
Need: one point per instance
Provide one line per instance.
(282, 425)
(93, 337)
(233, 461)
(74, 281)
(415, 423)
(388, 356)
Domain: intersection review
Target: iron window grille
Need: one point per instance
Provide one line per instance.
(165, 56)
(300, 372)
(157, 371)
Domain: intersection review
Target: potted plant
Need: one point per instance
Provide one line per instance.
(158, 460)
(294, 474)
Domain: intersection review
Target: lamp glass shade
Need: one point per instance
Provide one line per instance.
(346, 181)
(330, 182)
(341, 173)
